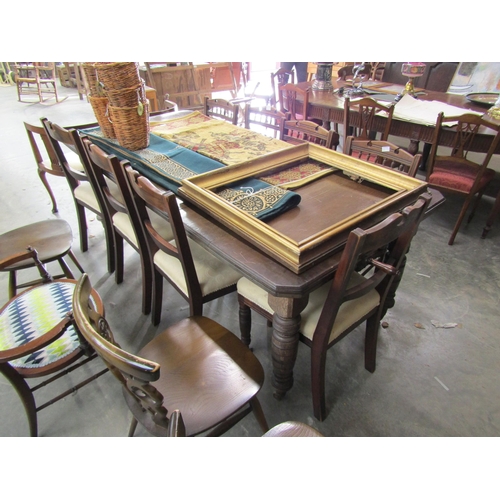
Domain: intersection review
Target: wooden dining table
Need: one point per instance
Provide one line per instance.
(288, 291)
(328, 106)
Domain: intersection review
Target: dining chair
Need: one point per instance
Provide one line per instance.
(221, 109)
(366, 110)
(39, 340)
(268, 122)
(36, 78)
(196, 367)
(294, 100)
(393, 157)
(81, 185)
(280, 77)
(195, 273)
(351, 298)
(52, 238)
(35, 136)
(346, 73)
(298, 131)
(111, 181)
(455, 172)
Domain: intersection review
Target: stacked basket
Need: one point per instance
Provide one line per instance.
(128, 108)
(98, 100)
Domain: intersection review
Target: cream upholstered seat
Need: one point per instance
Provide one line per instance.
(352, 297)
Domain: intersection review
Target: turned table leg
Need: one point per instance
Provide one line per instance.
(285, 341)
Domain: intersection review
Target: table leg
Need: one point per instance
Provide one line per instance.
(285, 340)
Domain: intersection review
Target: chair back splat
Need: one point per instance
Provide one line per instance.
(297, 131)
(294, 101)
(221, 109)
(360, 115)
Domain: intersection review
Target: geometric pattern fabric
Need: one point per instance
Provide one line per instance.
(33, 314)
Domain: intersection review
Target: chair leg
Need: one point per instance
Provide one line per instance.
(82, 227)
(245, 316)
(118, 256)
(371, 336)
(75, 261)
(463, 211)
(495, 211)
(45, 182)
(133, 426)
(157, 297)
(66, 270)
(259, 414)
(12, 284)
(147, 284)
(318, 361)
(24, 392)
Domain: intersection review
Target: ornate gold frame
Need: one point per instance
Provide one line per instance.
(299, 255)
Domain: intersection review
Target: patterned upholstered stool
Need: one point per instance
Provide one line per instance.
(38, 338)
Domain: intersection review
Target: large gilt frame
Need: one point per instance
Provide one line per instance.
(399, 191)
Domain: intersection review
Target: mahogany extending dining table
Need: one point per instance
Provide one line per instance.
(288, 292)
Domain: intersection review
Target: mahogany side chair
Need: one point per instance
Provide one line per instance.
(454, 172)
(268, 122)
(394, 157)
(350, 299)
(365, 111)
(195, 367)
(298, 131)
(38, 339)
(194, 272)
(85, 196)
(221, 109)
(111, 181)
(36, 134)
(294, 101)
(280, 77)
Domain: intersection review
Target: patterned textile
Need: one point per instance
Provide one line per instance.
(179, 123)
(258, 198)
(33, 314)
(222, 141)
(298, 175)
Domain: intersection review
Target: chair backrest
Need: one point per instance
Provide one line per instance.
(304, 130)
(280, 77)
(347, 72)
(135, 373)
(468, 126)
(366, 109)
(294, 100)
(71, 139)
(266, 121)
(382, 248)
(383, 153)
(147, 196)
(221, 109)
(33, 132)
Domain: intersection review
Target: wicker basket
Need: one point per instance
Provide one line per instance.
(100, 105)
(127, 98)
(90, 74)
(118, 75)
(131, 129)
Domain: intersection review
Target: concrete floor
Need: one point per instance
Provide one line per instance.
(429, 381)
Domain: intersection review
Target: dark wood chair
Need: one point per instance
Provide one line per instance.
(193, 271)
(294, 100)
(351, 298)
(111, 181)
(298, 131)
(265, 121)
(389, 155)
(52, 239)
(366, 110)
(38, 337)
(346, 73)
(454, 172)
(279, 78)
(35, 135)
(84, 195)
(196, 368)
(221, 109)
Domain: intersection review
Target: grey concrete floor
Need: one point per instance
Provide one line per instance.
(429, 381)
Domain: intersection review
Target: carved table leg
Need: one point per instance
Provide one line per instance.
(285, 341)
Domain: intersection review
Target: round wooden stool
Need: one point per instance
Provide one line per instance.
(51, 239)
